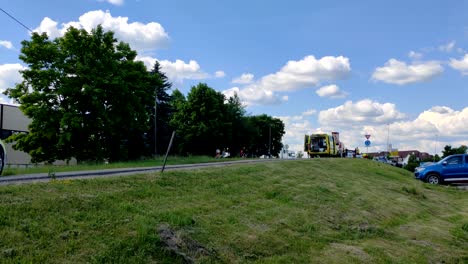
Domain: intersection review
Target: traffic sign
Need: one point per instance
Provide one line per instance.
(367, 143)
(367, 136)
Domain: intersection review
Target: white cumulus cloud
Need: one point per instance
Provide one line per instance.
(398, 72)
(140, 36)
(441, 109)
(362, 112)
(177, 71)
(460, 65)
(447, 121)
(10, 75)
(331, 91)
(305, 73)
(7, 44)
(220, 74)
(309, 112)
(49, 26)
(255, 96)
(245, 78)
(440, 123)
(447, 47)
(415, 55)
(114, 2)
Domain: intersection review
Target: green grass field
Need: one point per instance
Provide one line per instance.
(171, 160)
(304, 211)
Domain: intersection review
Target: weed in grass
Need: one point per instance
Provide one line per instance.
(465, 227)
(69, 234)
(396, 220)
(277, 195)
(308, 229)
(8, 172)
(413, 191)
(460, 233)
(51, 174)
(455, 218)
(178, 219)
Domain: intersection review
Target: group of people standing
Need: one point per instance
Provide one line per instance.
(226, 154)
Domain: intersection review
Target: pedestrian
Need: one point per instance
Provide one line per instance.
(223, 153)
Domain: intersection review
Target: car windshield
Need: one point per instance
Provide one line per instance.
(451, 160)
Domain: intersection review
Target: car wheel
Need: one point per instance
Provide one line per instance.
(433, 179)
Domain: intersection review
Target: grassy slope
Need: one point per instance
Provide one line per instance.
(323, 210)
(159, 161)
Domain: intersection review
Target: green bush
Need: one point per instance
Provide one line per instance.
(413, 162)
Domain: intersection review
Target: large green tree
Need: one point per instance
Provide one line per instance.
(200, 120)
(177, 104)
(237, 135)
(265, 136)
(163, 109)
(86, 95)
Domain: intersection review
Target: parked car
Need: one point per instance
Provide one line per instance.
(451, 169)
(384, 159)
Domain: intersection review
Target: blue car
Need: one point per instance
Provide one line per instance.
(453, 168)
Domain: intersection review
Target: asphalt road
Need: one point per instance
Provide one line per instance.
(44, 177)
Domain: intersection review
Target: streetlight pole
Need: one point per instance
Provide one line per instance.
(269, 143)
(155, 122)
(388, 139)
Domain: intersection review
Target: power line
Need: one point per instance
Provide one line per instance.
(12, 17)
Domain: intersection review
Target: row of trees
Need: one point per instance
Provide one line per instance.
(90, 99)
(206, 121)
(413, 161)
(449, 150)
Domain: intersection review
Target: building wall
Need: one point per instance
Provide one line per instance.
(16, 157)
(12, 120)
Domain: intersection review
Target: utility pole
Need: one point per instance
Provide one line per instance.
(435, 147)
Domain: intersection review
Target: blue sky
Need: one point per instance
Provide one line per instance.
(396, 70)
